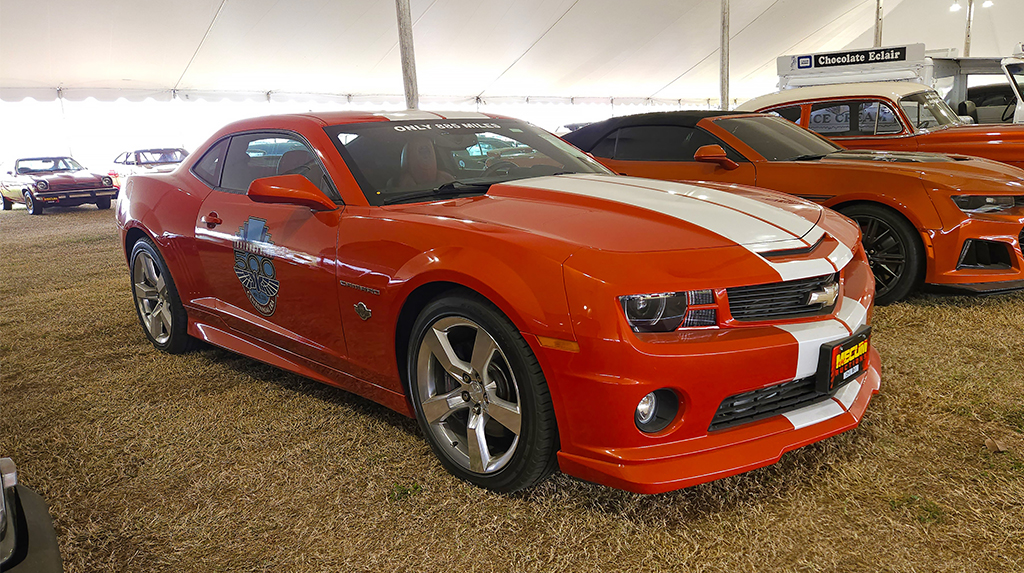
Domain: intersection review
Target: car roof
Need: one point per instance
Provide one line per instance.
(587, 137)
(890, 90)
(289, 121)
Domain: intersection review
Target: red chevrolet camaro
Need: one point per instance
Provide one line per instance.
(643, 334)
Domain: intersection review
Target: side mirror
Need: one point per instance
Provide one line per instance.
(967, 111)
(715, 154)
(289, 190)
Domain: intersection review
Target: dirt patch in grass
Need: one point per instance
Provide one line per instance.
(214, 462)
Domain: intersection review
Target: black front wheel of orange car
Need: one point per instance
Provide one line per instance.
(161, 314)
(102, 204)
(480, 396)
(893, 250)
(7, 204)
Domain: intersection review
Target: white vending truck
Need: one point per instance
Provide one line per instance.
(939, 69)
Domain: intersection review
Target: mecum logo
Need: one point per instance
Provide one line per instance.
(254, 265)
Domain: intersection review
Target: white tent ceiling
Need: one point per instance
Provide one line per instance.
(662, 49)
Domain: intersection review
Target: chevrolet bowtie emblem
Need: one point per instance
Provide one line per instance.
(824, 297)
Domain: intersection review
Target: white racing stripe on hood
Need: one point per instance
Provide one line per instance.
(757, 226)
(748, 225)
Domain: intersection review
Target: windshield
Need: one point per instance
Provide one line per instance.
(776, 139)
(926, 110)
(391, 159)
(161, 156)
(46, 165)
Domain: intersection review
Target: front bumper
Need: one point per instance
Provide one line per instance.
(732, 451)
(946, 253)
(73, 197)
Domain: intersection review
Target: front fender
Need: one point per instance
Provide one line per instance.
(537, 306)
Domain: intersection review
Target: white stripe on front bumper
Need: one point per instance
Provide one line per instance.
(847, 394)
(814, 413)
(810, 336)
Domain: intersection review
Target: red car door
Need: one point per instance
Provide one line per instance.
(666, 152)
(271, 267)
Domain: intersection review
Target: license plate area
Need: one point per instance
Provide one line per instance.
(843, 360)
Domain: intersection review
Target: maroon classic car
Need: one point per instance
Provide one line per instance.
(40, 182)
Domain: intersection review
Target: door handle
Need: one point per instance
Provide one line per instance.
(211, 220)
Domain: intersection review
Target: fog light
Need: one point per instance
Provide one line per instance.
(656, 410)
(645, 409)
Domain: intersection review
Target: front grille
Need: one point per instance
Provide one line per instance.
(777, 300)
(765, 403)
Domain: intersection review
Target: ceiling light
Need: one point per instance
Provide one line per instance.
(987, 4)
(955, 7)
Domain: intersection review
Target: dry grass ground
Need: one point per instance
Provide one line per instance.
(213, 462)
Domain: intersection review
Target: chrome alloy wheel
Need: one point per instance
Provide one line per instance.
(151, 297)
(469, 395)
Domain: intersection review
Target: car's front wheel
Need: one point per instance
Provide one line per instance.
(893, 249)
(34, 207)
(480, 396)
(7, 204)
(103, 203)
(161, 314)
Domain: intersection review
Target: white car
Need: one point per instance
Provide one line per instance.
(158, 160)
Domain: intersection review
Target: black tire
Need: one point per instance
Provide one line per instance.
(34, 207)
(172, 338)
(514, 373)
(893, 249)
(102, 204)
(7, 204)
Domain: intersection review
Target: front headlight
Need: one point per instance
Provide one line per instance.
(665, 312)
(987, 203)
(42, 185)
(107, 181)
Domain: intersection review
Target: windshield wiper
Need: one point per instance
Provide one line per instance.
(808, 157)
(443, 190)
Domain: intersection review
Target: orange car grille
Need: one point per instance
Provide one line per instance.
(777, 300)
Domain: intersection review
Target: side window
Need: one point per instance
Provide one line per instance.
(888, 122)
(606, 147)
(854, 118)
(660, 143)
(830, 119)
(209, 167)
(253, 156)
(790, 113)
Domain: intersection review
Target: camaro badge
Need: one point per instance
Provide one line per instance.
(254, 265)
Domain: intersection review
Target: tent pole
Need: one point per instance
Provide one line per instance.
(412, 94)
(724, 51)
(967, 34)
(878, 24)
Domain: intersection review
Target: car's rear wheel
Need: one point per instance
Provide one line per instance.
(34, 207)
(480, 396)
(893, 249)
(103, 204)
(161, 314)
(7, 204)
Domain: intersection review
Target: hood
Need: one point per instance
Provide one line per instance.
(60, 180)
(629, 214)
(950, 170)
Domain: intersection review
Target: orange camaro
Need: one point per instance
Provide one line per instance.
(643, 334)
(946, 220)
